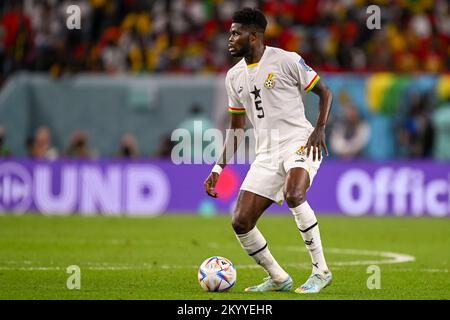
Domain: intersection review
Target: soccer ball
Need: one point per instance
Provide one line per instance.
(216, 274)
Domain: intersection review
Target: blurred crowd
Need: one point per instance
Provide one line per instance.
(39, 145)
(422, 132)
(420, 128)
(190, 36)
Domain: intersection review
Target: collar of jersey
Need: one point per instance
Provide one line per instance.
(257, 64)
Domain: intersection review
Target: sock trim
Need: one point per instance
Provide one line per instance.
(309, 228)
(257, 251)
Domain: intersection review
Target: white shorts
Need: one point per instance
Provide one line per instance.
(266, 178)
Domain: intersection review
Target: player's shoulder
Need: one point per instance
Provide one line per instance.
(236, 70)
(285, 55)
(287, 60)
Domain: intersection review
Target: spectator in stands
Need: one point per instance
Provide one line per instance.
(29, 145)
(196, 114)
(78, 146)
(416, 131)
(196, 122)
(188, 36)
(42, 145)
(17, 39)
(165, 147)
(128, 147)
(4, 150)
(441, 122)
(2, 54)
(350, 133)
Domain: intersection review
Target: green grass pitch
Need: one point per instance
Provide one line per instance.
(157, 258)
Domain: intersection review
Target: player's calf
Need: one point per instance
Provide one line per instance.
(254, 243)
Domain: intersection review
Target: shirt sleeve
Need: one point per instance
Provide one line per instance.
(303, 74)
(234, 105)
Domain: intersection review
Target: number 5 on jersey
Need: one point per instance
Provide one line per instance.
(258, 101)
(259, 108)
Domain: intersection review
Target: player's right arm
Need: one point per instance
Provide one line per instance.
(233, 139)
(308, 80)
(234, 135)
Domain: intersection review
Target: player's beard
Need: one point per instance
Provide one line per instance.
(242, 52)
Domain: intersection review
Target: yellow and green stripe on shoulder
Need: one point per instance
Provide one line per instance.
(236, 110)
(313, 82)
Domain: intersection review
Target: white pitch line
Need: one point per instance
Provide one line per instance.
(391, 258)
(112, 268)
(421, 270)
(32, 268)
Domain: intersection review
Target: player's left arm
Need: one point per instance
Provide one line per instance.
(316, 140)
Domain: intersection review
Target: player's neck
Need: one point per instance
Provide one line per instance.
(255, 54)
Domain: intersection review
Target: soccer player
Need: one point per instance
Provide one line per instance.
(267, 85)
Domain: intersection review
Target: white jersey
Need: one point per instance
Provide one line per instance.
(270, 93)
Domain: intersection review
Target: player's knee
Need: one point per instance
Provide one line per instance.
(240, 225)
(294, 199)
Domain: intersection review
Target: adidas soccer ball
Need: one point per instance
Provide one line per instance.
(216, 274)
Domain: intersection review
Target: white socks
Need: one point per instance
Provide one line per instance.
(255, 245)
(309, 229)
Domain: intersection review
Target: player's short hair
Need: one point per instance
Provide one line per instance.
(252, 18)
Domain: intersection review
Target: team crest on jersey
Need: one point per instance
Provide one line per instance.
(301, 151)
(269, 83)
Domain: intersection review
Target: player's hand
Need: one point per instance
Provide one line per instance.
(315, 142)
(210, 184)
